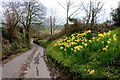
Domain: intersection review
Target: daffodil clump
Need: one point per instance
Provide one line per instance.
(77, 41)
(89, 71)
(88, 54)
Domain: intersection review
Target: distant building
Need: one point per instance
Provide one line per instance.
(2, 25)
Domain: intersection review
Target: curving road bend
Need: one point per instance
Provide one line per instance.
(36, 68)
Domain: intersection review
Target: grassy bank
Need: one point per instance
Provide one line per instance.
(13, 42)
(87, 55)
(42, 43)
(13, 49)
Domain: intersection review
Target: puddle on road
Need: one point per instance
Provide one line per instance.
(36, 59)
(37, 70)
(36, 62)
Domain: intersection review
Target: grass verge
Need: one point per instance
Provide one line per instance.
(42, 43)
(85, 59)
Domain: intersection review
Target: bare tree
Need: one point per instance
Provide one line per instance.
(69, 5)
(11, 16)
(92, 9)
(51, 24)
(53, 20)
(32, 12)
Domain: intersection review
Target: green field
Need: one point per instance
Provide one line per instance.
(45, 31)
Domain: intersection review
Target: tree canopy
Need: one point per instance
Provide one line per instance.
(116, 16)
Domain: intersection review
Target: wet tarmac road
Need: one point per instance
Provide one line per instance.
(37, 67)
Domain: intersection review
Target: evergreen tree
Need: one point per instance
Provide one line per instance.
(116, 16)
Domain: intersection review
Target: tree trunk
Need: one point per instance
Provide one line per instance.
(51, 25)
(28, 37)
(92, 20)
(67, 20)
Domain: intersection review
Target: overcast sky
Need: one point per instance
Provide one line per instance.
(60, 13)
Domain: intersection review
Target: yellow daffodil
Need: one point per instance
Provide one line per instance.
(109, 39)
(61, 47)
(82, 42)
(106, 46)
(80, 46)
(71, 48)
(90, 41)
(89, 31)
(85, 40)
(105, 34)
(65, 49)
(108, 34)
(55, 45)
(93, 38)
(85, 44)
(98, 39)
(77, 40)
(108, 42)
(88, 70)
(74, 50)
(102, 41)
(91, 72)
(114, 37)
(104, 49)
(85, 69)
(101, 35)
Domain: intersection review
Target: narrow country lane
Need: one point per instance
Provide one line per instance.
(36, 68)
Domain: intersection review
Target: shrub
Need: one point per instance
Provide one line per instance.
(17, 44)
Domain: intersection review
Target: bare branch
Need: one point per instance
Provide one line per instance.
(61, 5)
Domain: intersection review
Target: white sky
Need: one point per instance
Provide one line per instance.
(60, 13)
(108, 4)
